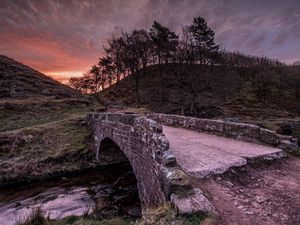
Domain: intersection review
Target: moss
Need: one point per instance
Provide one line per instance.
(196, 219)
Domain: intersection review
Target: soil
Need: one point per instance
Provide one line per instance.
(256, 195)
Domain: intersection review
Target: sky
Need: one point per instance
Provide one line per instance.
(63, 38)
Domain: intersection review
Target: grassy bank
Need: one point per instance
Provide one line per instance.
(44, 150)
(20, 113)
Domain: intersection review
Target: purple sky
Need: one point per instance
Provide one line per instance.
(65, 37)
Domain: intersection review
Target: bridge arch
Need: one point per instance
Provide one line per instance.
(141, 142)
(118, 137)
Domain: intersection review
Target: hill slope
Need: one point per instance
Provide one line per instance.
(217, 92)
(42, 131)
(29, 98)
(20, 81)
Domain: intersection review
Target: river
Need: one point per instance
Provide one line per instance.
(108, 191)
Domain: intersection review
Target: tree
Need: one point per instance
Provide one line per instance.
(203, 39)
(107, 68)
(143, 47)
(262, 83)
(180, 59)
(91, 82)
(83, 84)
(133, 57)
(164, 42)
(114, 52)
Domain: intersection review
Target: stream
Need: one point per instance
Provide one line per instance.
(106, 191)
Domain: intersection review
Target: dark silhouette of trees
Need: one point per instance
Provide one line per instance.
(193, 49)
(114, 52)
(203, 40)
(86, 84)
(164, 41)
(136, 56)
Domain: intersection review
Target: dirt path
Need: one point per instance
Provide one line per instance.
(257, 195)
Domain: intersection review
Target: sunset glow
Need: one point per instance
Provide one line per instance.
(64, 38)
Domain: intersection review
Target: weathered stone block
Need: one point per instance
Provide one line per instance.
(121, 118)
(214, 126)
(242, 131)
(201, 124)
(148, 125)
(180, 120)
(192, 123)
(168, 159)
(176, 181)
(269, 137)
(176, 120)
(153, 116)
(289, 146)
(196, 203)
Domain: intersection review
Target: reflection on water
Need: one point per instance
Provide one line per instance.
(111, 190)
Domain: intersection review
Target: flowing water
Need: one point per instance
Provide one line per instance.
(111, 190)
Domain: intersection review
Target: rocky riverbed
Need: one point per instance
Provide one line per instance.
(104, 192)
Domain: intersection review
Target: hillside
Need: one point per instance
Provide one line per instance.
(218, 93)
(41, 125)
(28, 97)
(20, 81)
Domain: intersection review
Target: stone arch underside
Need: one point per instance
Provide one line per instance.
(136, 146)
(147, 149)
(145, 170)
(109, 153)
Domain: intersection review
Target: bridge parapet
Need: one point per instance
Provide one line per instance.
(239, 131)
(159, 178)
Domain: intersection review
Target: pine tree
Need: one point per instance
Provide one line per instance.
(203, 38)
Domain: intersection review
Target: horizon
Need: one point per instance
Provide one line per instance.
(65, 38)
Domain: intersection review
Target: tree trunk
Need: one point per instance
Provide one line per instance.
(160, 79)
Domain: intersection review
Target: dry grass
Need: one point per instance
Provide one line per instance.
(36, 217)
(20, 113)
(45, 150)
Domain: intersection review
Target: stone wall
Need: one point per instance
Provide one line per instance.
(147, 149)
(239, 131)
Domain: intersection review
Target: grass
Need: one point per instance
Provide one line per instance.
(42, 137)
(166, 216)
(73, 220)
(196, 219)
(20, 113)
(56, 147)
(36, 217)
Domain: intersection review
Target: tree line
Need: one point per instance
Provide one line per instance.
(132, 52)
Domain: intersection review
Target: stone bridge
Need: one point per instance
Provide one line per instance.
(164, 150)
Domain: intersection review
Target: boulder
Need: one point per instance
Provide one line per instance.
(196, 203)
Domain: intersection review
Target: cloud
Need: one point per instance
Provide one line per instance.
(68, 35)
